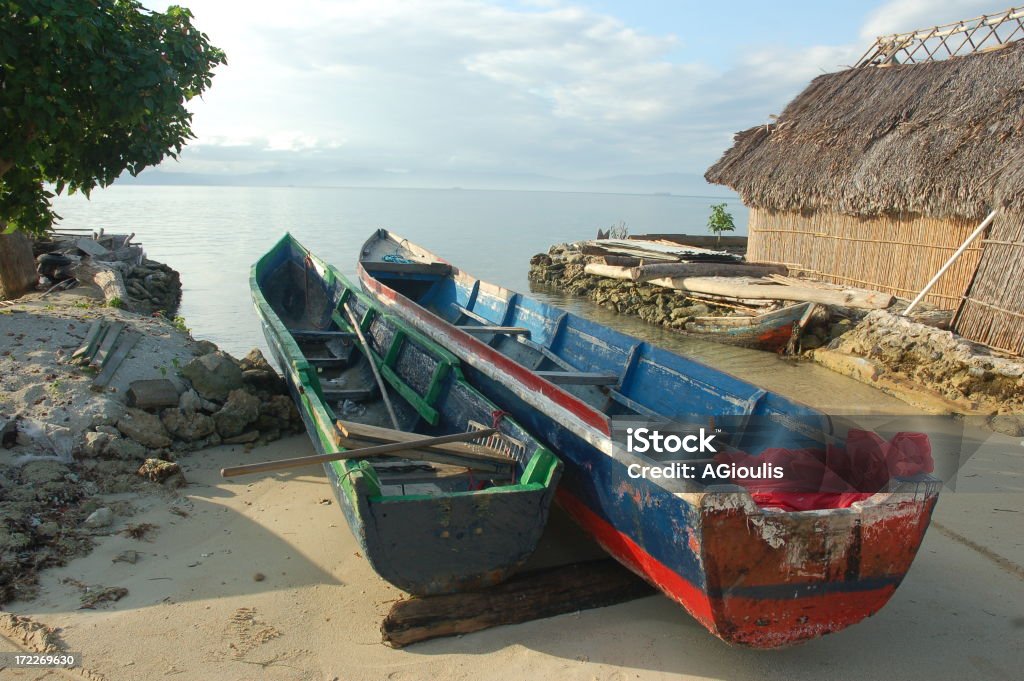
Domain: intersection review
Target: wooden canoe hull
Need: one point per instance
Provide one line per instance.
(422, 544)
(752, 576)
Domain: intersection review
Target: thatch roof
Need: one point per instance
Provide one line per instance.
(941, 138)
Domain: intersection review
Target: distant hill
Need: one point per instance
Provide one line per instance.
(689, 184)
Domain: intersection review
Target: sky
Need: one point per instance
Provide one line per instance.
(541, 94)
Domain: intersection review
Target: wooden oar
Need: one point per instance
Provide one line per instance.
(361, 453)
(373, 365)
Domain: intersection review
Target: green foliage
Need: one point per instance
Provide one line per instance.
(720, 221)
(116, 302)
(179, 324)
(89, 89)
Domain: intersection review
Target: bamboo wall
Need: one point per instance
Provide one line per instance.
(886, 254)
(993, 311)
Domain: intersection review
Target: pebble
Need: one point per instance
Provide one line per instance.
(101, 517)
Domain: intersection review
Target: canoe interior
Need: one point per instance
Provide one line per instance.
(426, 527)
(420, 373)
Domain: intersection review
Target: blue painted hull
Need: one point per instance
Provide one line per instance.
(752, 576)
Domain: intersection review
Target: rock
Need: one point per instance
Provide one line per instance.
(214, 375)
(127, 450)
(811, 341)
(248, 436)
(95, 444)
(101, 517)
(187, 427)
(239, 411)
(190, 402)
(204, 347)
(144, 428)
(265, 381)
(152, 394)
(110, 430)
(255, 360)
(279, 407)
(158, 470)
(1008, 424)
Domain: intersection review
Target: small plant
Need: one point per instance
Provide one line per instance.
(179, 324)
(116, 302)
(720, 221)
(176, 362)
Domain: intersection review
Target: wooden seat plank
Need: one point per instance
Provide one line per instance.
(578, 377)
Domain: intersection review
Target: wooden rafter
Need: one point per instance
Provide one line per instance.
(989, 31)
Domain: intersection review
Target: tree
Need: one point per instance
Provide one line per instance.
(720, 221)
(89, 89)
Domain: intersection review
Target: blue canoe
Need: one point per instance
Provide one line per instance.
(754, 575)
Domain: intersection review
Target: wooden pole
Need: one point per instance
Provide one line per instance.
(373, 365)
(390, 449)
(949, 263)
(526, 596)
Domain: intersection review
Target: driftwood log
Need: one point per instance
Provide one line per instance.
(528, 596)
(705, 269)
(644, 272)
(106, 276)
(750, 288)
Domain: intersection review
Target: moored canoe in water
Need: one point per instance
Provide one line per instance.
(427, 528)
(756, 566)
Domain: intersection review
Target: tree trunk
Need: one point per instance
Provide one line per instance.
(17, 266)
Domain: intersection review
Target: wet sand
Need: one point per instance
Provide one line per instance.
(263, 579)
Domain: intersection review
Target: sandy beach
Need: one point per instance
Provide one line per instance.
(260, 578)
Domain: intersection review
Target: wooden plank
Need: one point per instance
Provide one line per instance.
(360, 434)
(399, 474)
(438, 268)
(90, 247)
(390, 449)
(578, 377)
(113, 331)
(527, 596)
(327, 362)
(506, 330)
(354, 394)
(127, 342)
(309, 334)
(92, 338)
(644, 273)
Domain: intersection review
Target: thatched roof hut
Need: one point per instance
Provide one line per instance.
(875, 175)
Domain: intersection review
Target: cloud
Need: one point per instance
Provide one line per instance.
(331, 89)
(900, 16)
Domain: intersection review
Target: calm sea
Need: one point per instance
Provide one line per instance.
(212, 235)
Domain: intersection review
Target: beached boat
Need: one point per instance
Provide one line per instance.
(769, 331)
(762, 565)
(426, 527)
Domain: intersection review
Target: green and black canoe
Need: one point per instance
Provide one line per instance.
(426, 526)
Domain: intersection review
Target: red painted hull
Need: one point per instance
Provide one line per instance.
(756, 577)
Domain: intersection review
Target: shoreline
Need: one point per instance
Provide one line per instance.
(213, 578)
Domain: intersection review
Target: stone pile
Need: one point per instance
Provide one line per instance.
(223, 401)
(562, 268)
(153, 286)
(941, 361)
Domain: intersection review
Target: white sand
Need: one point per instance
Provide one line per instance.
(194, 610)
